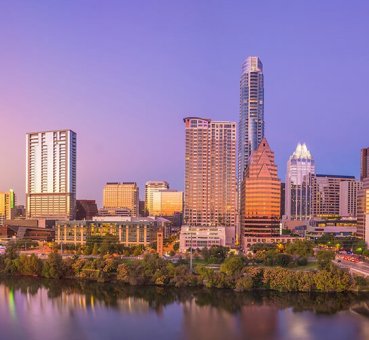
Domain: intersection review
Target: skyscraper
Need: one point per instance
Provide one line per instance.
(261, 195)
(299, 166)
(150, 188)
(363, 198)
(51, 174)
(364, 168)
(210, 172)
(325, 194)
(122, 196)
(251, 125)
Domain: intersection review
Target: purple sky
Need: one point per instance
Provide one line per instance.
(123, 74)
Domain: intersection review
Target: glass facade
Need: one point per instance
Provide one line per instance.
(251, 124)
(167, 203)
(150, 188)
(261, 195)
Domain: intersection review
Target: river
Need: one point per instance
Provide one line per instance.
(33, 309)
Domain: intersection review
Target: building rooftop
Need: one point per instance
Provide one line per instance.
(335, 176)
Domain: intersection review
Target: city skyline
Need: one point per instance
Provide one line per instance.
(97, 94)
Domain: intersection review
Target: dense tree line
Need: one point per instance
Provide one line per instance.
(235, 273)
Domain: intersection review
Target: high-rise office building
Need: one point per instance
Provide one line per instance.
(122, 195)
(7, 206)
(364, 168)
(261, 195)
(348, 198)
(283, 199)
(150, 188)
(210, 172)
(363, 198)
(251, 124)
(297, 199)
(167, 202)
(51, 174)
(325, 194)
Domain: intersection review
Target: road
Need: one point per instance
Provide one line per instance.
(359, 268)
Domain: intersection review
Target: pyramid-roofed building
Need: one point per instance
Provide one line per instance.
(261, 195)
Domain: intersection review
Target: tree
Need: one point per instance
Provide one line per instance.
(53, 266)
(359, 247)
(325, 258)
(282, 260)
(215, 254)
(262, 246)
(232, 265)
(244, 283)
(300, 248)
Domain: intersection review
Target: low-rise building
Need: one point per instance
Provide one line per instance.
(199, 237)
(283, 239)
(337, 227)
(15, 232)
(129, 231)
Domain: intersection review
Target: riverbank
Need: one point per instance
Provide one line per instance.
(109, 293)
(234, 273)
(80, 309)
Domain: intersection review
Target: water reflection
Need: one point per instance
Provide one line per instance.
(39, 309)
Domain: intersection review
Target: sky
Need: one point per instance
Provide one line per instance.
(124, 74)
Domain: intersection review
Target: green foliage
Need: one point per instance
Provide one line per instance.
(325, 258)
(300, 248)
(234, 272)
(302, 261)
(262, 246)
(282, 260)
(233, 265)
(332, 281)
(176, 246)
(244, 283)
(359, 247)
(215, 254)
(28, 265)
(53, 266)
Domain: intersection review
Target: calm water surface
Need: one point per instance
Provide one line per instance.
(32, 309)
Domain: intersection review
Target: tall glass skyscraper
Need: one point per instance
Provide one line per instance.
(251, 125)
(298, 201)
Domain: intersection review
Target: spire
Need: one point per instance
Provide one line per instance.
(301, 152)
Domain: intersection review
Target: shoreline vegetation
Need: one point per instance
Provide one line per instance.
(272, 271)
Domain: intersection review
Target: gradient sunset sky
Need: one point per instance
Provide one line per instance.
(123, 74)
